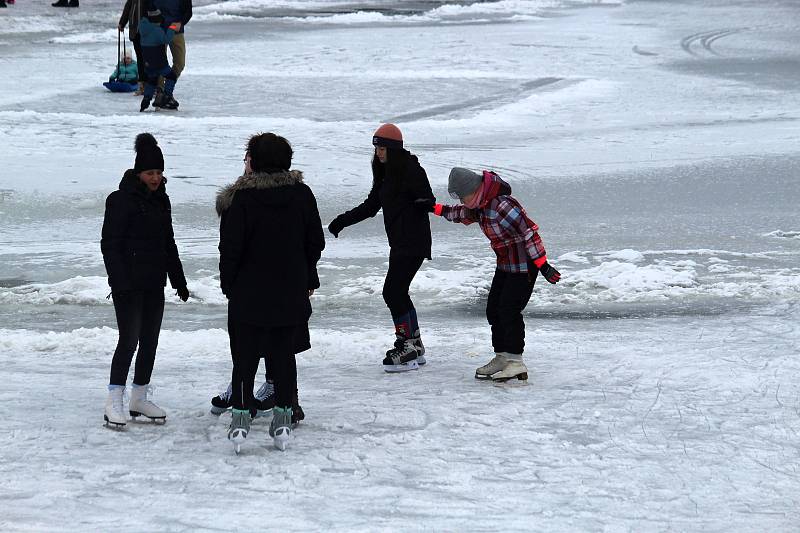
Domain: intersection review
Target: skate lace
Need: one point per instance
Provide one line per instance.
(118, 401)
(226, 394)
(265, 391)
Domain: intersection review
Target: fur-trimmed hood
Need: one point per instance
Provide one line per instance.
(256, 180)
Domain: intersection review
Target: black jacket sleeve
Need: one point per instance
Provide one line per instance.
(419, 185)
(112, 243)
(368, 208)
(186, 10)
(126, 14)
(174, 267)
(314, 239)
(231, 244)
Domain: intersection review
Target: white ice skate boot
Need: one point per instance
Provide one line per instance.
(280, 429)
(239, 428)
(141, 406)
(514, 368)
(115, 411)
(401, 358)
(417, 340)
(497, 364)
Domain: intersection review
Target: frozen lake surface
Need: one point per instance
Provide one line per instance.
(654, 142)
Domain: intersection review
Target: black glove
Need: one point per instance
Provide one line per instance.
(183, 293)
(336, 226)
(425, 204)
(550, 274)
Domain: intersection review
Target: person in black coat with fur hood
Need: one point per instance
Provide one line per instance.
(270, 242)
(400, 187)
(139, 253)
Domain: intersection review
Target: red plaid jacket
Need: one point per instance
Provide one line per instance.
(513, 236)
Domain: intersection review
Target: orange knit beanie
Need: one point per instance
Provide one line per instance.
(388, 135)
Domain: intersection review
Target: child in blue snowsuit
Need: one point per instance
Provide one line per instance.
(155, 34)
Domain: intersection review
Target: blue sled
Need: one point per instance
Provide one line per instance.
(120, 86)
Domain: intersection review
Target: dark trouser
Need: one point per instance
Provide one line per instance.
(137, 47)
(402, 269)
(139, 316)
(508, 297)
(248, 344)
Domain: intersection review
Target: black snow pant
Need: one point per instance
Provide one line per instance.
(248, 344)
(139, 315)
(508, 297)
(137, 47)
(402, 269)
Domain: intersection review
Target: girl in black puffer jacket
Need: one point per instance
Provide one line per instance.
(400, 187)
(139, 252)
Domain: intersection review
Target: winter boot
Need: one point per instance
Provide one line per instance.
(514, 368)
(221, 403)
(115, 411)
(239, 428)
(280, 429)
(297, 411)
(401, 358)
(141, 406)
(3, 3)
(497, 364)
(73, 3)
(158, 101)
(417, 340)
(265, 397)
(60, 3)
(145, 103)
(169, 102)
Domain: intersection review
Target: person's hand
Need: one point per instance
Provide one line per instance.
(175, 26)
(550, 274)
(183, 293)
(121, 28)
(336, 226)
(424, 204)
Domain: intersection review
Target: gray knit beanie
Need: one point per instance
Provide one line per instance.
(463, 182)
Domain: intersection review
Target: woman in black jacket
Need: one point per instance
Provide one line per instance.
(270, 241)
(400, 187)
(139, 252)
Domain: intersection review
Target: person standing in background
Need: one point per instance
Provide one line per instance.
(131, 14)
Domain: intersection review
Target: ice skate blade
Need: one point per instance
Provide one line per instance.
(482, 377)
(237, 448)
(421, 360)
(404, 367)
(281, 439)
(159, 420)
(113, 425)
(522, 377)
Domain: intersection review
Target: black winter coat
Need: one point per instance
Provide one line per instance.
(138, 242)
(270, 241)
(395, 186)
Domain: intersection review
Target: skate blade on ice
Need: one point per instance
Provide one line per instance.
(158, 420)
(402, 367)
(521, 377)
(119, 426)
(281, 438)
(237, 437)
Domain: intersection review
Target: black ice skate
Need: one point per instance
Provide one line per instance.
(401, 358)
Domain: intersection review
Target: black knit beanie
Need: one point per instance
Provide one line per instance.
(148, 154)
(269, 153)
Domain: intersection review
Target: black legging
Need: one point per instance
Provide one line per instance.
(402, 269)
(139, 315)
(248, 344)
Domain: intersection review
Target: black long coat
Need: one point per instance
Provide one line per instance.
(395, 187)
(138, 242)
(270, 242)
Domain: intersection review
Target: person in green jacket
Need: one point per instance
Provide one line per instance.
(127, 71)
